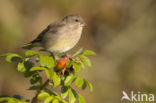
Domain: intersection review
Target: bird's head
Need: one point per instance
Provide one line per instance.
(74, 19)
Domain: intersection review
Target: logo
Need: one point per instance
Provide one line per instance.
(140, 97)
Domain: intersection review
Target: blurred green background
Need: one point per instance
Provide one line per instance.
(121, 32)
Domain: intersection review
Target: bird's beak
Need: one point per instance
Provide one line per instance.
(84, 24)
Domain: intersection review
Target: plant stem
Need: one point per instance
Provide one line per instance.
(34, 100)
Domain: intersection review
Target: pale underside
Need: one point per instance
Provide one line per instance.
(67, 39)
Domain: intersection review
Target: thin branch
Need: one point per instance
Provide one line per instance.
(34, 100)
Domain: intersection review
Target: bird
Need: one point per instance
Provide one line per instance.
(59, 36)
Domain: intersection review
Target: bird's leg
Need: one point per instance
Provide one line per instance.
(51, 53)
(63, 70)
(69, 57)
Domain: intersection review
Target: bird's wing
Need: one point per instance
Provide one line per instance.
(50, 28)
(40, 36)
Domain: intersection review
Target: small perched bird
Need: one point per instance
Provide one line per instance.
(60, 36)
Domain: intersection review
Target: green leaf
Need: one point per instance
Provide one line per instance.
(29, 73)
(46, 61)
(49, 74)
(49, 90)
(35, 78)
(43, 95)
(89, 52)
(84, 84)
(18, 97)
(79, 82)
(4, 99)
(12, 100)
(69, 79)
(62, 101)
(55, 93)
(64, 92)
(37, 68)
(48, 99)
(22, 102)
(36, 87)
(53, 76)
(55, 101)
(21, 67)
(28, 65)
(30, 53)
(11, 57)
(81, 64)
(56, 79)
(76, 67)
(81, 99)
(90, 86)
(72, 96)
(68, 64)
(85, 60)
(78, 52)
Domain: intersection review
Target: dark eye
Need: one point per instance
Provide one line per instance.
(76, 20)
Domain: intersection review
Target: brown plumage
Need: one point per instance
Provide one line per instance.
(61, 35)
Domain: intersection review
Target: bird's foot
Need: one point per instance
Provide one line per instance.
(68, 56)
(63, 71)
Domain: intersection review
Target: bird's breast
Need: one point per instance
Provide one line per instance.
(66, 40)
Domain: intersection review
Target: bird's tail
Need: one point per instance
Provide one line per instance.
(30, 46)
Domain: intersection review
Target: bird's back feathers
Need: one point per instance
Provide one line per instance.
(59, 36)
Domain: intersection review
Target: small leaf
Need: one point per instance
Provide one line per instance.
(29, 73)
(49, 90)
(49, 74)
(90, 86)
(35, 78)
(12, 100)
(18, 97)
(46, 61)
(56, 79)
(30, 53)
(81, 99)
(86, 60)
(37, 68)
(64, 92)
(72, 96)
(4, 99)
(11, 57)
(84, 84)
(48, 99)
(28, 65)
(37, 87)
(43, 95)
(53, 76)
(21, 67)
(79, 81)
(55, 101)
(76, 67)
(81, 64)
(55, 93)
(63, 101)
(68, 64)
(78, 52)
(69, 79)
(89, 52)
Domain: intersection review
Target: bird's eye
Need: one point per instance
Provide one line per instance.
(76, 20)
